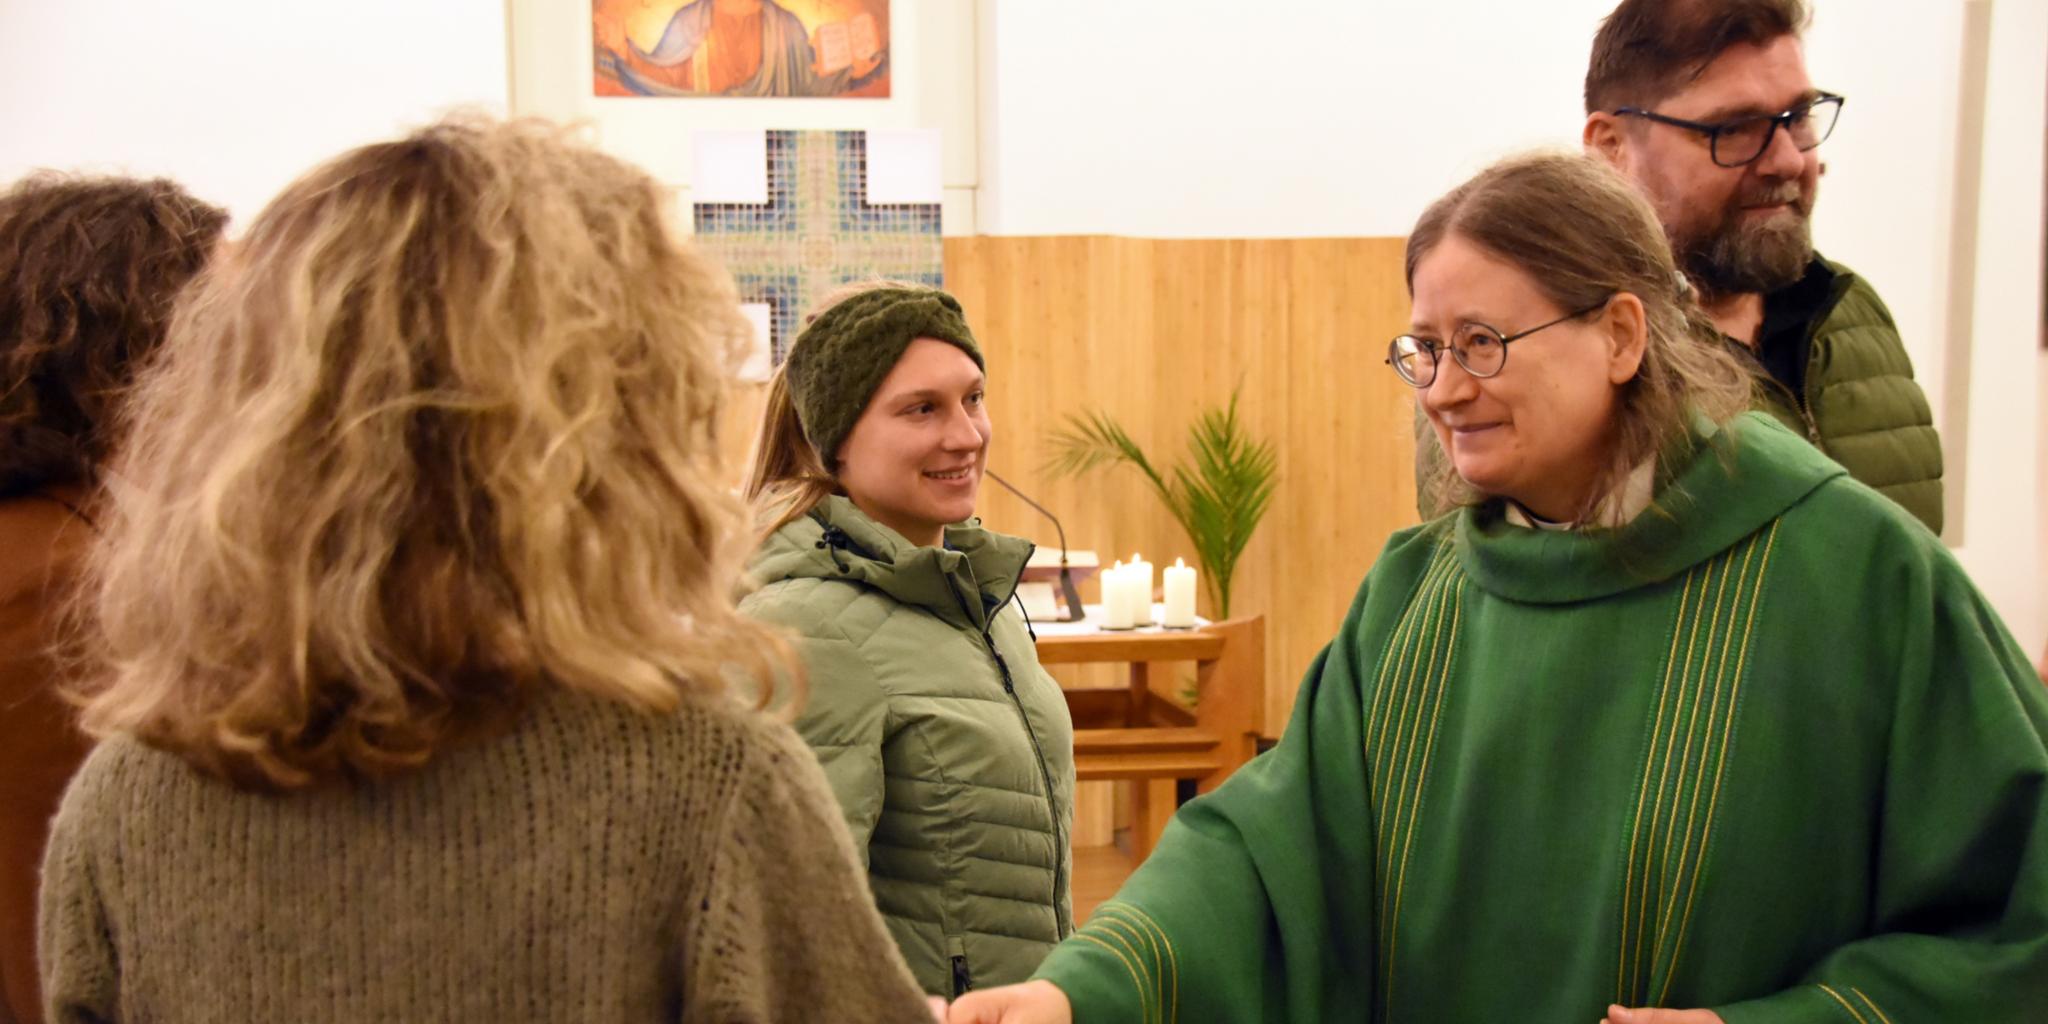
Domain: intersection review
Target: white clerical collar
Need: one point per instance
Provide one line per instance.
(1627, 502)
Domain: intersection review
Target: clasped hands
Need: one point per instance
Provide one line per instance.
(1041, 1002)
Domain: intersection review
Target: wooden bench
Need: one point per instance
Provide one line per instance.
(1131, 733)
(1147, 753)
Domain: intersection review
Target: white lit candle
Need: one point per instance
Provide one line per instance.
(1117, 609)
(1141, 581)
(1180, 595)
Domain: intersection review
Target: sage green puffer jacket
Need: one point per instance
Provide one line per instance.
(949, 748)
(1862, 406)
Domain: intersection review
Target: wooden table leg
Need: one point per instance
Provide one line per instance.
(1153, 802)
(1139, 696)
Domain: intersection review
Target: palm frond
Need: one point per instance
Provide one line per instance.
(1218, 496)
(1091, 441)
(1227, 491)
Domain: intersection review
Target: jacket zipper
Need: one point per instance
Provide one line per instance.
(1059, 850)
(963, 979)
(1059, 854)
(1805, 414)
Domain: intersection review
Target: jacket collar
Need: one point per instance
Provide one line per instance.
(964, 582)
(1736, 479)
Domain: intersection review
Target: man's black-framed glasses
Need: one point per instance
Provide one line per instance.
(1480, 349)
(1739, 141)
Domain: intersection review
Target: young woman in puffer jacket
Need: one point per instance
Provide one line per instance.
(949, 748)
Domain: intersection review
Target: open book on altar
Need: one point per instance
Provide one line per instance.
(1039, 585)
(1045, 564)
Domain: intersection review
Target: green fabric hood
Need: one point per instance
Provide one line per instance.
(1776, 468)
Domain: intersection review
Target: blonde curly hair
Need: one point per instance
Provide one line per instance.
(438, 434)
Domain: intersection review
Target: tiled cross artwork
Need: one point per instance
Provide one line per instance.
(817, 230)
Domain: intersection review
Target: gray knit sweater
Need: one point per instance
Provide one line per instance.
(592, 865)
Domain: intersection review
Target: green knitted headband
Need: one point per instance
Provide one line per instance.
(841, 357)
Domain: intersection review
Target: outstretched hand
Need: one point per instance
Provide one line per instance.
(1649, 1015)
(1033, 1002)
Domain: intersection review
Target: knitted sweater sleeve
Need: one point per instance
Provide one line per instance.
(80, 979)
(787, 929)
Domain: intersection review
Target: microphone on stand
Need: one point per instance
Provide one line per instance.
(1067, 591)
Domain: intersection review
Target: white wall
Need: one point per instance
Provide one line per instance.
(1279, 119)
(1339, 117)
(2004, 531)
(233, 97)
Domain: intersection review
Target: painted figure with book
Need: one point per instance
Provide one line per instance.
(787, 48)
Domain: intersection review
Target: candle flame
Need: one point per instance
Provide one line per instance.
(1179, 564)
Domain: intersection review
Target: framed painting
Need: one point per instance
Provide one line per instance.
(740, 48)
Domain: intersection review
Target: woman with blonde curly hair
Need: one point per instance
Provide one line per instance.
(418, 629)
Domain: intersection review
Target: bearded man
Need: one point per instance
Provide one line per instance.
(1706, 106)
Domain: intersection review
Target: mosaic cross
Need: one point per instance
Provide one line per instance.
(817, 230)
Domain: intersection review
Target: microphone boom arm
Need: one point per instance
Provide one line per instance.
(1068, 592)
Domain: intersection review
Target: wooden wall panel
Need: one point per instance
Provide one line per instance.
(1152, 330)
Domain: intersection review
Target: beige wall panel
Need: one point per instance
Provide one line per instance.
(1150, 331)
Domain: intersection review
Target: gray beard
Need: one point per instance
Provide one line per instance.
(1762, 258)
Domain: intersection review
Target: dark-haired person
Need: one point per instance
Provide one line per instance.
(1706, 106)
(1594, 745)
(89, 268)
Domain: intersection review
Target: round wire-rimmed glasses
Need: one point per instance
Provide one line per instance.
(1739, 141)
(1480, 349)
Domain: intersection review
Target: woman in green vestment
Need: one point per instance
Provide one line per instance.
(1667, 721)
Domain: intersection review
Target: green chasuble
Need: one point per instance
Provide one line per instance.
(1763, 750)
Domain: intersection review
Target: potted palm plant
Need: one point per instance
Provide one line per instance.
(1218, 493)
